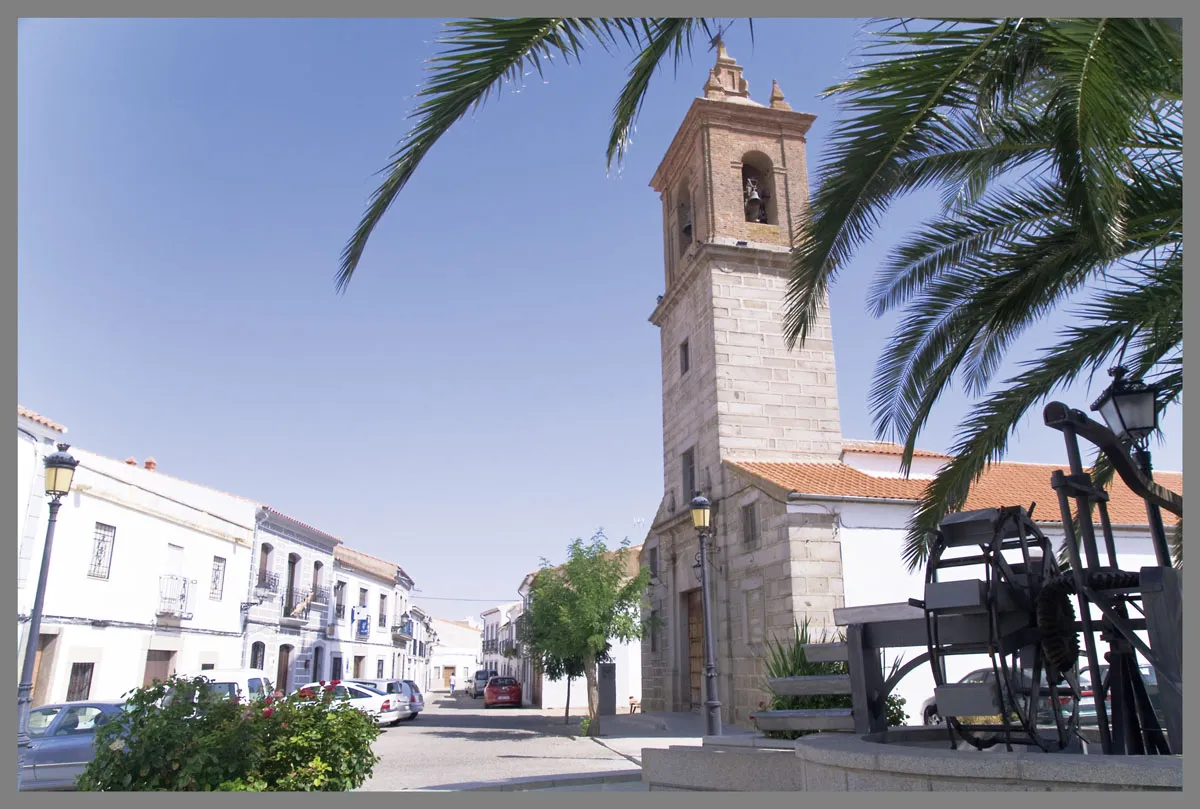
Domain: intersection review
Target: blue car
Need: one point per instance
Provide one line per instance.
(62, 742)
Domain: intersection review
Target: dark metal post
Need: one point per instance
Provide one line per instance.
(25, 689)
(712, 704)
(1157, 531)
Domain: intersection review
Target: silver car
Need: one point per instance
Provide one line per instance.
(63, 742)
(411, 701)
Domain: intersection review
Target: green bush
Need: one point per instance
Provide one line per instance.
(198, 740)
(787, 659)
(584, 725)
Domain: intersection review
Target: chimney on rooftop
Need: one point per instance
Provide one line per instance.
(151, 464)
(132, 461)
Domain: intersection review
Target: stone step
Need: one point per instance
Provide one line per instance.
(807, 719)
(826, 653)
(812, 685)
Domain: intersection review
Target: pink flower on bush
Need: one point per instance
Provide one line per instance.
(267, 712)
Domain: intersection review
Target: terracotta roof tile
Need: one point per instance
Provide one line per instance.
(887, 448)
(1003, 484)
(366, 562)
(40, 419)
(301, 522)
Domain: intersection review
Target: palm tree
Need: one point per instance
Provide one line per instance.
(1057, 145)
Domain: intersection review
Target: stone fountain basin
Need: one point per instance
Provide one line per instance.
(919, 758)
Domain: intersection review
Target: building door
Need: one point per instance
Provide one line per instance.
(447, 673)
(359, 661)
(695, 615)
(535, 690)
(336, 674)
(159, 665)
(43, 665)
(318, 663)
(285, 666)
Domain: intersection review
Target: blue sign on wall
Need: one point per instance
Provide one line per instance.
(364, 626)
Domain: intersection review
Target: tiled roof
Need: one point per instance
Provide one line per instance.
(301, 522)
(887, 448)
(40, 419)
(366, 562)
(1002, 484)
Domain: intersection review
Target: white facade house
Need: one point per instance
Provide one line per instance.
(457, 653)
(497, 628)
(145, 574)
(425, 641)
(287, 598)
(372, 624)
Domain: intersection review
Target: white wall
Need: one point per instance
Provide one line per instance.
(872, 539)
(628, 659)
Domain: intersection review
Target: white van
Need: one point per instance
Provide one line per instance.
(247, 684)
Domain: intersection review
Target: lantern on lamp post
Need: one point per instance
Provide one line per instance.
(1130, 409)
(60, 471)
(701, 516)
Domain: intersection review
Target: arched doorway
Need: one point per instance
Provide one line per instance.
(285, 665)
(318, 662)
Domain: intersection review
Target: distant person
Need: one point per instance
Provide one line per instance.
(451, 685)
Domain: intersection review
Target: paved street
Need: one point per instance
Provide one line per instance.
(457, 744)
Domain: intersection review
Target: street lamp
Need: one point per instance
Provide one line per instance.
(1130, 409)
(60, 470)
(701, 515)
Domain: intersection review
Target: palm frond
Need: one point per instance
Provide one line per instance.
(663, 38)
(479, 56)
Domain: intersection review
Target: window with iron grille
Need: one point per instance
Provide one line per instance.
(750, 525)
(80, 686)
(216, 587)
(102, 548)
(382, 613)
(654, 562)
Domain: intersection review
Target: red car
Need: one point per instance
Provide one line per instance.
(502, 691)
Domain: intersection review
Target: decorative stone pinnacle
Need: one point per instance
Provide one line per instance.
(777, 102)
(725, 79)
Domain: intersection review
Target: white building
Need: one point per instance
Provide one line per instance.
(145, 573)
(497, 626)
(457, 653)
(287, 598)
(372, 623)
(425, 639)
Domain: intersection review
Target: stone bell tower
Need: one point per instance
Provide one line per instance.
(732, 183)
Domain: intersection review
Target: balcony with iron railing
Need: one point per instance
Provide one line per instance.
(266, 585)
(175, 597)
(320, 595)
(403, 631)
(295, 607)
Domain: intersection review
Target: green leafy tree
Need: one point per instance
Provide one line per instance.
(577, 609)
(1057, 145)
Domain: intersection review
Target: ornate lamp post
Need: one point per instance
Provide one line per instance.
(60, 469)
(1130, 409)
(701, 513)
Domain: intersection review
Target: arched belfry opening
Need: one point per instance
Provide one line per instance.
(686, 231)
(758, 189)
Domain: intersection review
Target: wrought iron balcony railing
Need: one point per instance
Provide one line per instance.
(175, 597)
(296, 605)
(340, 611)
(403, 629)
(266, 585)
(320, 595)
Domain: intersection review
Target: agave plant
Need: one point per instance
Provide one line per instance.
(786, 658)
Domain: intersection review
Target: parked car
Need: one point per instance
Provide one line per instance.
(383, 708)
(409, 699)
(246, 684)
(1045, 715)
(502, 691)
(1087, 703)
(63, 736)
(479, 683)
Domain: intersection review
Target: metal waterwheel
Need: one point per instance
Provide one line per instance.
(1028, 698)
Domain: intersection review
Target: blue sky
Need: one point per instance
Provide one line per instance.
(186, 188)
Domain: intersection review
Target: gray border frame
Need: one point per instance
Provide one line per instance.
(381, 8)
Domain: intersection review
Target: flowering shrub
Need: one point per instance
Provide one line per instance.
(199, 741)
